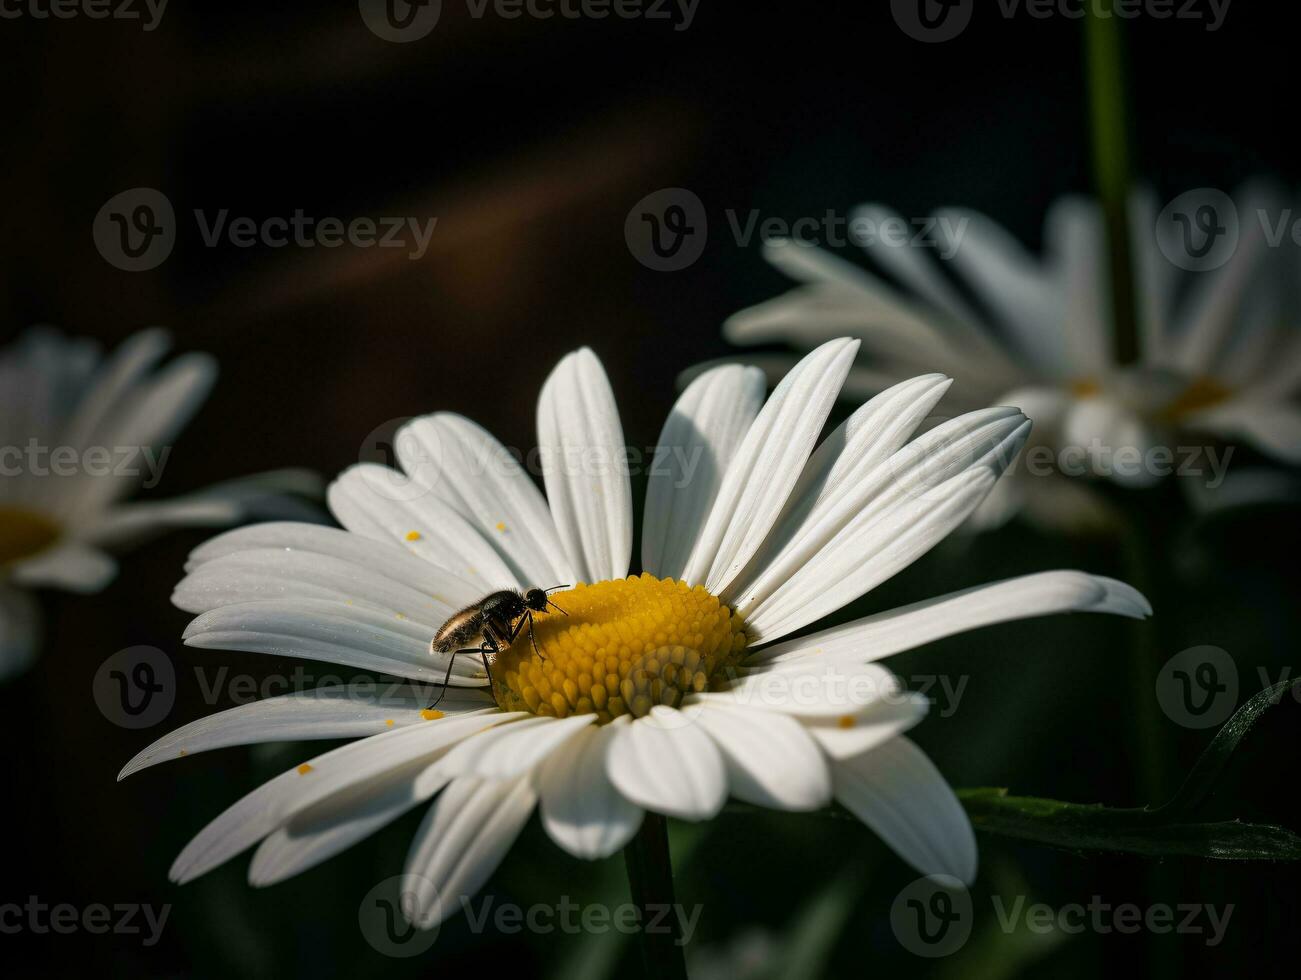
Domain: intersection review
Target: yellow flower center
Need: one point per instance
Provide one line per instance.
(1202, 393)
(623, 647)
(24, 533)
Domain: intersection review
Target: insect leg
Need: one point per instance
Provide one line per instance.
(528, 617)
(489, 645)
(482, 651)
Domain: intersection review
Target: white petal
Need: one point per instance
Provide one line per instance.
(70, 565)
(855, 734)
(899, 793)
(696, 445)
(463, 838)
(1011, 282)
(364, 500)
(328, 712)
(121, 373)
(867, 504)
(1274, 428)
(321, 831)
(888, 633)
(475, 474)
(837, 576)
(864, 533)
(20, 631)
(807, 316)
(584, 466)
(766, 467)
(151, 415)
(811, 687)
(664, 762)
(332, 631)
(274, 802)
(914, 267)
(1083, 337)
(843, 461)
(1100, 427)
(581, 810)
(771, 760)
(385, 577)
(513, 750)
(1214, 304)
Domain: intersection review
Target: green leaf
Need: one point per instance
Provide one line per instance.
(1089, 827)
(1206, 773)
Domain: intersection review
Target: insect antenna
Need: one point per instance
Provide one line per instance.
(556, 588)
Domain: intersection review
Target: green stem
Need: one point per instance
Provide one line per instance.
(1108, 115)
(650, 879)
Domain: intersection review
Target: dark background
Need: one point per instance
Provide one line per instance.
(530, 141)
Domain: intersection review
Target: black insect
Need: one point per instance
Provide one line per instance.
(490, 626)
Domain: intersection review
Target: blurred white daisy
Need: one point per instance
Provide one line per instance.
(665, 691)
(79, 432)
(1220, 349)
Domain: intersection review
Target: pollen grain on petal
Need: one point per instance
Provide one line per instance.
(305, 768)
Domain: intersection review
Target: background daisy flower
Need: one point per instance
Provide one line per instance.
(664, 692)
(1220, 350)
(80, 432)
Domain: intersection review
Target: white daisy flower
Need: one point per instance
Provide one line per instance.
(79, 432)
(667, 691)
(1220, 350)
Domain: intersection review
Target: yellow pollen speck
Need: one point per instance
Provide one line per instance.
(389, 722)
(413, 535)
(24, 533)
(304, 769)
(429, 714)
(182, 753)
(401, 615)
(845, 721)
(1085, 388)
(1203, 393)
(501, 525)
(624, 646)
